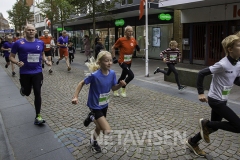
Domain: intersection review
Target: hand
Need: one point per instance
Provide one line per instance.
(48, 63)
(202, 98)
(122, 83)
(9, 49)
(20, 64)
(75, 100)
(164, 60)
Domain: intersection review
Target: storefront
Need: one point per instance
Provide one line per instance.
(204, 29)
(160, 32)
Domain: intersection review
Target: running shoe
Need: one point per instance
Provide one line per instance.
(123, 92)
(115, 93)
(204, 130)
(57, 62)
(39, 120)
(50, 71)
(157, 70)
(195, 148)
(42, 65)
(95, 147)
(13, 73)
(181, 88)
(6, 66)
(21, 92)
(89, 119)
(69, 68)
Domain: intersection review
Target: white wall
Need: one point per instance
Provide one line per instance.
(212, 13)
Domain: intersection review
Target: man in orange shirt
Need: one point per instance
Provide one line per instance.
(126, 45)
(47, 48)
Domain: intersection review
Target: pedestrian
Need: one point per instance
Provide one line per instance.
(47, 48)
(87, 46)
(71, 50)
(101, 80)
(63, 50)
(6, 48)
(30, 55)
(173, 55)
(99, 47)
(52, 43)
(126, 45)
(226, 73)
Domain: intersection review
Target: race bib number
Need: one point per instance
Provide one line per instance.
(127, 58)
(48, 45)
(173, 57)
(226, 91)
(33, 57)
(104, 98)
(71, 51)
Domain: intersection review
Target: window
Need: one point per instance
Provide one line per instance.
(41, 18)
(123, 2)
(37, 18)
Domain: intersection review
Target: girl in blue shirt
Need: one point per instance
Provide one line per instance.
(101, 80)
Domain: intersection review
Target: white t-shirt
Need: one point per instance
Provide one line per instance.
(224, 74)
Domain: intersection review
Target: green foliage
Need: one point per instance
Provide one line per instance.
(59, 11)
(19, 14)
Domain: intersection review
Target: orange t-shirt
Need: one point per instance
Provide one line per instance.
(47, 42)
(15, 39)
(126, 47)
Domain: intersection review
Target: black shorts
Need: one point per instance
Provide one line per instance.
(7, 59)
(48, 53)
(98, 113)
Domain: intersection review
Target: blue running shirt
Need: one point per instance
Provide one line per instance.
(100, 86)
(63, 40)
(7, 45)
(30, 53)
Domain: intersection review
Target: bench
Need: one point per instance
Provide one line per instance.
(188, 77)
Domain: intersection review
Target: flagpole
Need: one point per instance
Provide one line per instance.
(146, 38)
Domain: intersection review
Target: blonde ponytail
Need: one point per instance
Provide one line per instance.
(93, 64)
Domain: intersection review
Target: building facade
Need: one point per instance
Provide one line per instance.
(3, 23)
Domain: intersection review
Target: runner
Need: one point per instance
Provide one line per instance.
(173, 55)
(71, 50)
(102, 80)
(63, 50)
(87, 46)
(226, 72)
(47, 48)
(6, 48)
(30, 54)
(53, 48)
(126, 45)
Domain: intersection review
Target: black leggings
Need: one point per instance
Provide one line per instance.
(171, 68)
(126, 71)
(29, 81)
(220, 110)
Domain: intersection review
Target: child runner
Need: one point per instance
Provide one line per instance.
(71, 51)
(6, 48)
(226, 72)
(173, 55)
(101, 81)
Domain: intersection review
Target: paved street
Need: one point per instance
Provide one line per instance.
(152, 122)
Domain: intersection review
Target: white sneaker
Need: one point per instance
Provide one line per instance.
(115, 93)
(123, 92)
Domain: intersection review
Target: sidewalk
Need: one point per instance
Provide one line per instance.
(20, 139)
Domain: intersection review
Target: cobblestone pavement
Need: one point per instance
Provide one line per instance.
(146, 124)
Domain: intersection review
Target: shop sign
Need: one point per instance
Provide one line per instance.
(236, 11)
(119, 22)
(164, 17)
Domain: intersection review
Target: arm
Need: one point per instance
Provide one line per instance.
(77, 91)
(45, 59)
(200, 88)
(117, 86)
(237, 81)
(14, 61)
(113, 51)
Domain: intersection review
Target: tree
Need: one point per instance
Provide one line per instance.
(19, 15)
(58, 11)
(91, 8)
